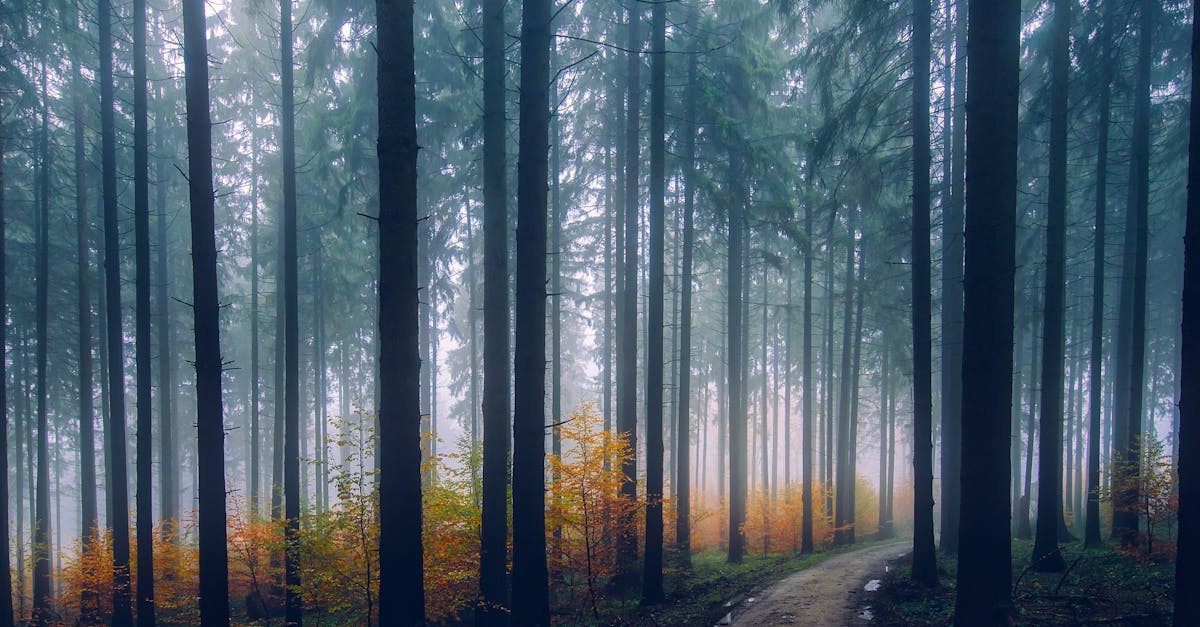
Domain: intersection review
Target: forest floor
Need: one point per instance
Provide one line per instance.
(1100, 587)
(713, 591)
(826, 594)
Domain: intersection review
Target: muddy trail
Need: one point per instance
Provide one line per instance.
(829, 593)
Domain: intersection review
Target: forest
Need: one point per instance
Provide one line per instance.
(599, 312)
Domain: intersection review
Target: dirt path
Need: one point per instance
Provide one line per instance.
(826, 594)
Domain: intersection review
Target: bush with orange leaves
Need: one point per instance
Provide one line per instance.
(583, 499)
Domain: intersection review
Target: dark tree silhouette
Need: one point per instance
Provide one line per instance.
(493, 555)
(1046, 556)
(118, 493)
(652, 579)
(210, 431)
(984, 562)
(144, 502)
(6, 607)
(924, 569)
(401, 565)
(531, 595)
(1187, 556)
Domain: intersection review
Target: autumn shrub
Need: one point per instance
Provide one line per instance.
(1151, 477)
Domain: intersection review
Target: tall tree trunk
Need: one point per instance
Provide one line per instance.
(210, 432)
(6, 587)
(1091, 534)
(806, 438)
(737, 415)
(291, 328)
(885, 391)
(531, 594)
(843, 519)
(168, 472)
(855, 389)
(556, 253)
(1046, 556)
(683, 489)
(280, 374)
(952, 287)
(1132, 322)
(142, 349)
(493, 560)
(41, 549)
(401, 565)
(255, 394)
(1187, 560)
(924, 560)
(89, 601)
(627, 356)
(984, 563)
(652, 579)
(119, 494)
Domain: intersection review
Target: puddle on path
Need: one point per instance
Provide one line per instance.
(866, 613)
(872, 585)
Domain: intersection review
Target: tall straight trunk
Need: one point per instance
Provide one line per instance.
(984, 558)
(493, 554)
(683, 489)
(952, 287)
(255, 393)
(764, 460)
(168, 485)
(885, 391)
(737, 410)
(119, 491)
(41, 549)
(280, 375)
(1024, 527)
(89, 601)
(924, 560)
(472, 329)
(652, 578)
(531, 594)
(142, 350)
(6, 587)
(787, 381)
(291, 328)
(1046, 556)
(627, 357)
(843, 518)
(1091, 533)
(855, 389)
(806, 438)
(827, 419)
(210, 432)
(1014, 453)
(401, 565)
(1132, 323)
(556, 218)
(1187, 560)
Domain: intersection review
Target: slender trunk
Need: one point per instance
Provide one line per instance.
(737, 415)
(683, 491)
(1046, 556)
(885, 385)
(952, 287)
(652, 579)
(806, 438)
(627, 358)
(41, 549)
(843, 519)
(210, 433)
(1091, 534)
(984, 562)
(6, 587)
(531, 604)
(401, 565)
(493, 552)
(168, 472)
(254, 340)
(119, 495)
(142, 348)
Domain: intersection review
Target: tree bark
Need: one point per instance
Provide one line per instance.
(210, 433)
(652, 579)
(1046, 556)
(40, 548)
(531, 601)
(401, 561)
(119, 495)
(683, 490)
(737, 415)
(985, 565)
(1187, 559)
(493, 560)
(924, 560)
(806, 438)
